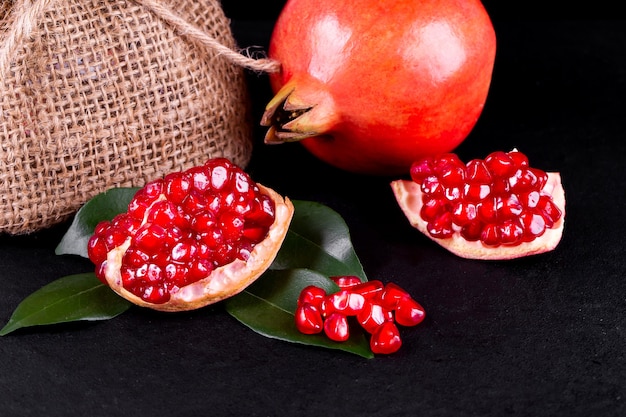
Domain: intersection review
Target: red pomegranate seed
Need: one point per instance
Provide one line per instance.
(519, 159)
(472, 231)
(511, 232)
(421, 169)
(220, 175)
(510, 208)
(500, 187)
(261, 212)
(528, 179)
(476, 192)
(202, 222)
(199, 178)
(500, 164)
(346, 281)
(97, 251)
(534, 225)
(309, 319)
(344, 301)
(150, 237)
(179, 275)
(445, 163)
(477, 172)
(135, 257)
(336, 327)
(409, 312)
(529, 199)
(432, 186)
(433, 208)
(313, 295)
(195, 203)
(453, 175)
(225, 254)
(368, 289)
(154, 294)
(163, 213)
(372, 316)
(453, 193)
(548, 210)
(441, 227)
(464, 213)
(100, 272)
(115, 236)
(232, 225)
(198, 269)
(177, 187)
(392, 295)
(490, 235)
(386, 339)
(488, 209)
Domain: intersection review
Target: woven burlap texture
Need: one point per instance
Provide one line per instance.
(96, 94)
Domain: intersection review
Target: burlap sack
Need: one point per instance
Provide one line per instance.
(96, 94)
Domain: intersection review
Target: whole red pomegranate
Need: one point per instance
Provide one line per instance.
(371, 86)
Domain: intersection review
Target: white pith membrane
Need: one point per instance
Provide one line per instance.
(223, 282)
(409, 197)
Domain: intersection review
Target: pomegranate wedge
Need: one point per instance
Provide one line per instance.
(192, 238)
(496, 208)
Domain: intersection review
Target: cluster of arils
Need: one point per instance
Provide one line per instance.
(191, 238)
(377, 307)
(498, 200)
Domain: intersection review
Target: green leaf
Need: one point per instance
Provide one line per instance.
(318, 239)
(269, 304)
(103, 206)
(71, 298)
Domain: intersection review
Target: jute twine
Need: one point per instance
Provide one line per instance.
(96, 94)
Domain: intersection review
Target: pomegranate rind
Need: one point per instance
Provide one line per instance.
(223, 282)
(409, 197)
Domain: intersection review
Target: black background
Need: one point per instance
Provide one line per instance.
(539, 336)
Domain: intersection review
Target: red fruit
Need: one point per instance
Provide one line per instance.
(369, 289)
(372, 316)
(386, 339)
(345, 302)
(346, 281)
(336, 327)
(376, 307)
(185, 242)
(371, 86)
(392, 295)
(312, 295)
(409, 312)
(519, 211)
(309, 319)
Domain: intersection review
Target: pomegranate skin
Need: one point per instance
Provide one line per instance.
(370, 86)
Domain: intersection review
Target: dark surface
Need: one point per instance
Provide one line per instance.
(540, 336)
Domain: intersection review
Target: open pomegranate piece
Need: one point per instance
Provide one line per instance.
(496, 208)
(192, 238)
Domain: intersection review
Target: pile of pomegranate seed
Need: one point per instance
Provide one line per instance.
(499, 200)
(377, 307)
(181, 227)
